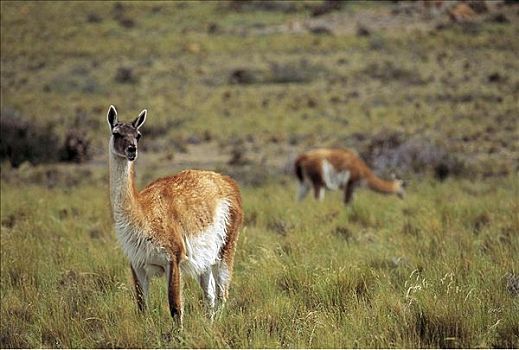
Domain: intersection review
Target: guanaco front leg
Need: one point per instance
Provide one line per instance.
(348, 192)
(140, 280)
(319, 192)
(174, 290)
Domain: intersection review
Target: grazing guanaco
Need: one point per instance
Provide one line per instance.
(186, 223)
(335, 168)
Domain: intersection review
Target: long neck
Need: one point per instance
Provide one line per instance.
(123, 192)
(379, 185)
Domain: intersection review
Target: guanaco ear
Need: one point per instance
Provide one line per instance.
(112, 116)
(137, 123)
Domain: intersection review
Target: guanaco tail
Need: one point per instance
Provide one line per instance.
(183, 224)
(335, 168)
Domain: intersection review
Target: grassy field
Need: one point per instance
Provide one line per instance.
(425, 272)
(261, 84)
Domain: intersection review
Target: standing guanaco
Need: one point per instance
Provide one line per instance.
(336, 168)
(186, 223)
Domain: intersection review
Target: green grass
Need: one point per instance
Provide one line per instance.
(428, 271)
(421, 272)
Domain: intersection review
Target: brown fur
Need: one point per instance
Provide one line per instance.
(184, 205)
(309, 166)
(462, 12)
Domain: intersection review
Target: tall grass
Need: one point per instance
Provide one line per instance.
(427, 271)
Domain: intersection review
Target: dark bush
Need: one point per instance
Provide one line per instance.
(94, 18)
(251, 174)
(378, 152)
(327, 6)
(441, 171)
(244, 76)
(478, 6)
(238, 157)
(127, 22)
(263, 5)
(321, 30)
(362, 30)
(388, 71)
(298, 71)
(499, 18)
(213, 28)
(23, 140)
(76, 147)
(125, 75)
(495, 78)
(395, 151)
(294, 72)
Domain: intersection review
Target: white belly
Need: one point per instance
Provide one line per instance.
(204, 248)
(332, 178)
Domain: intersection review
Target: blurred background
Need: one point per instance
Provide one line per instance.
(416, 87)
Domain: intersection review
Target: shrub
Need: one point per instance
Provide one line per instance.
(300, 71)
(387, 71)
(76, 147)
(23, 140)
(393, 150)
(125, 75)
(244, 76)
(263, 5)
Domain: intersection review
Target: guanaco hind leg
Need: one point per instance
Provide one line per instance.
(140, 280)
(174, 290)
(223, 280)
(208, 284)
(222, 269)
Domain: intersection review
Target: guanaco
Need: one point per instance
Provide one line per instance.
(187, 223)
(336, 168)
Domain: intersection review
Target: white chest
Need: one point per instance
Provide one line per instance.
(139, 248)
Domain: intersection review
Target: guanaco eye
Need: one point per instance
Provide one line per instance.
(138, 136)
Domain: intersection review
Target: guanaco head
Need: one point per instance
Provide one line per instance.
(399, 186)
(125, 136)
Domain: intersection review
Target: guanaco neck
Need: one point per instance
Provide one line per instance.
(383, 186)
(123, 191)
